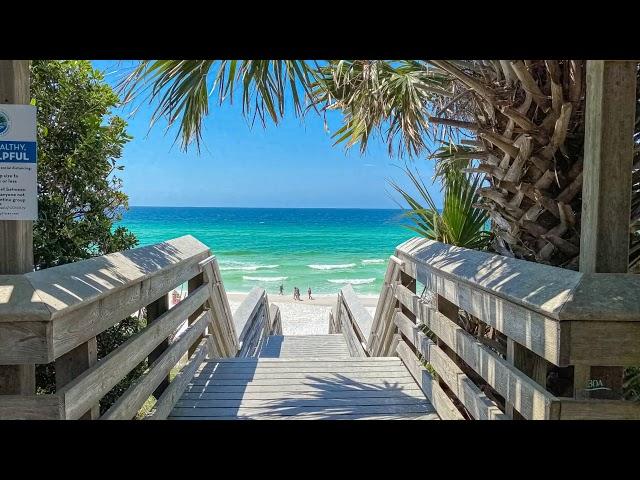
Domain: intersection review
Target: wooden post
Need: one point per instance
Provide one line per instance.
(606, 192)
(192, 284)
(16, 236)
(73, 363)
(154, 310)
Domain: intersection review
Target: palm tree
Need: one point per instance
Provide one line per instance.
(520, 121)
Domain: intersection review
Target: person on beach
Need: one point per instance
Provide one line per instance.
(309, 292)
(281, 289)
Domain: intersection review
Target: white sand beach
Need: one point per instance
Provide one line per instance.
(306, 317)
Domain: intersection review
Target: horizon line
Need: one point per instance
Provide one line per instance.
(266, 208)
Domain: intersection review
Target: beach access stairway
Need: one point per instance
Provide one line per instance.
(456, 334)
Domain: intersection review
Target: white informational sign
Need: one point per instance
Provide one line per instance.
(18, 174)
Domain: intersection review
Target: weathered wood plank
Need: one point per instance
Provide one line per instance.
(73, 364)
(130, 402)
(296, 402)
(571, 409)
(31, 407)
(396, 416)
(154, 310)
(348, 330)
(296, 411)
(476, 402)
(223, 330)
(22, 342)
(90, 319)
(165, 403)
(529, 398)
(413, 391)
(362, 320)
(80, 394)
(341, 376)
(610, 116)
(442, 403)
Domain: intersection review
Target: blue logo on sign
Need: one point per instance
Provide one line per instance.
(4, 123)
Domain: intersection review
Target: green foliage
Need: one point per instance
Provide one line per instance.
(460, 223)
(79, 142)
(79, 199)
(372, 94)
(182, 89)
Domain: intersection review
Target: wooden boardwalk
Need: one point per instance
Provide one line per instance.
(305, 377)
(301, 346)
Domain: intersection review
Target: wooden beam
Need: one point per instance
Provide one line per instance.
(74, 363)
(154, 310)
(16, 236)
(192, 285)
(606, 192)
(608, 161)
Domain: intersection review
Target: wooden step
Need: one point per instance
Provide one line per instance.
(304, 387)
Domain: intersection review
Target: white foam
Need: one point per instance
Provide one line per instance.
(264, 279)
(373, 260)
(332, 267)
(247, 268)
(354, 281)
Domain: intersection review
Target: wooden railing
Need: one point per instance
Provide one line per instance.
(490, 337)
(56, 314)
(255, 323)
(351, 319)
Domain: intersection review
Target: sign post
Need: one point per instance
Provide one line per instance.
(16, 236)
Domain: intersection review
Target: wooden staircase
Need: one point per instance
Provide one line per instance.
(303, 377)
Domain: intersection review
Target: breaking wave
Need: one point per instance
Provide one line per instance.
(264, 279)
(332, 267)
(354, 281)
(373, 260)
(246, 268)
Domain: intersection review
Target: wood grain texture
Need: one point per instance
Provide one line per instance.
(165, 403)
(474, 400)
(92, 385)
(127, 406)
(610, 115)
(439, 399)
(294, 388)
(31, 407)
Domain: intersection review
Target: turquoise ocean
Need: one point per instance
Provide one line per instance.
(319, 248)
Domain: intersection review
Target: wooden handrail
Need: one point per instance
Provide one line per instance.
(56, 314)
(560, 317)
(353, 321)
(252, 319)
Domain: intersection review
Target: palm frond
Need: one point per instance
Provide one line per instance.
(459, 223)
(182, 89)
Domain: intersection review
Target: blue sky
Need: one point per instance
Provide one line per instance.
(293, 164)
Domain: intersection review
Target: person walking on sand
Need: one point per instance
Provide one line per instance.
(295, 293)
(309, 292)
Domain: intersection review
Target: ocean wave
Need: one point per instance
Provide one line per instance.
(264, 279)
(332, 267)
(246, 268)
(353, 281)
(373, 260)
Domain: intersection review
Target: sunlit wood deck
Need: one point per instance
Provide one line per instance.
(303, 388)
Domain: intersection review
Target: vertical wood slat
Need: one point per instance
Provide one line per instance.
(192, 285)
(16, 236)
(154, 310)
(73, 363)
(606, 193)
